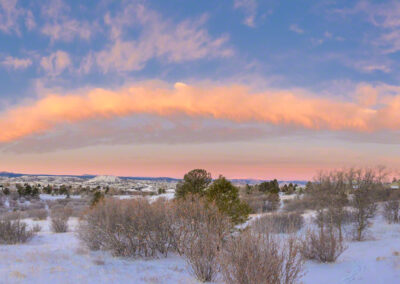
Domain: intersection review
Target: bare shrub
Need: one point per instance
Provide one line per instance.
(37, 214)
(36, 228)
(299, 204)
(391, 211)
(255, 200)
(364, 210)
(322, 246)
(259, 201)
(14, 231)
(199, 232)
(136, 228)
(59, 220)
(78, 207)
(132, 228)
(279, 223)
(386, 194)
(329, 192)
(97, 224)
(36, 204)
(261, 258)
(14, 215)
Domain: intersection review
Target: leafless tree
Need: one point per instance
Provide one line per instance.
(365, 182)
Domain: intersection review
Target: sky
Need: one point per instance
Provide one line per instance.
(244, 88)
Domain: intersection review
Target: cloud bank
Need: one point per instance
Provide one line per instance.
(235, 103)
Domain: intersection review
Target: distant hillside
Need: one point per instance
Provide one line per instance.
(7, 174)
(165, 179)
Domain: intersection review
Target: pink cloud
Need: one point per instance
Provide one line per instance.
(235, 103)
(159, 38)
(16, 63)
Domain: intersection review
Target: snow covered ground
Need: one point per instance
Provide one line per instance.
(60, 258)
(373, 261)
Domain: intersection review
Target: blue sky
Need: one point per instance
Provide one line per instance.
(333, 52)
(285, 43)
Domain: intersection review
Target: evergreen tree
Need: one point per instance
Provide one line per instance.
(194, 182)
(226, 197)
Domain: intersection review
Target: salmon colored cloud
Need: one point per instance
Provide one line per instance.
(233, 102)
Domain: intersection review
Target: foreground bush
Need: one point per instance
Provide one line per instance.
(322, 246)
(199, 231)
(190, 226)
(261, 258)
(279, 223)
(133, 228)
(14, 232)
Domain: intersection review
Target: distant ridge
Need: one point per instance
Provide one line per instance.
(165, 179)
(8, 174)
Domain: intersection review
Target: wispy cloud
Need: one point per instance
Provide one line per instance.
(159, 38)
(11, 14)
(250, 10)
(16, 63)
(295, 28)
(55, 63)
(67, 29)
(384, 15)
(60, 27)
(231, 102)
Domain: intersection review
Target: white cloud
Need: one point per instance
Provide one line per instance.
(55, 63)
(295, 28)
(371, 67)
(9, 14)
(159, 38)
(66, 30)
(250, 10)
(30, 20)
(386, 17)
(60, 27)
(16, 63)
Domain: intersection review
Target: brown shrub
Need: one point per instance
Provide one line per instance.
(279, 223)
(385, 194)
(260, 202)
(261, 258)
(199, 232)
(365, 209)
(391, 211)
(59, 220)
(37, 214)
(299, 204)
(255, 201)
(36, 228)
(132, 228)
(14, 231)
(14, 215)
(322, 246)
(136, 228)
